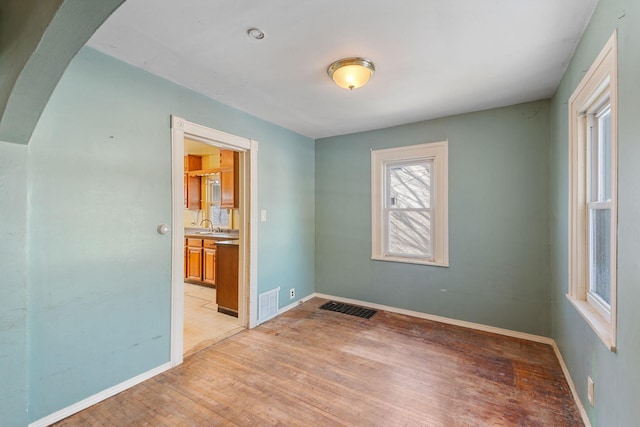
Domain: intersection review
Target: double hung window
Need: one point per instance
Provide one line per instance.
(599, 208)
(593, 195)
(409, 204)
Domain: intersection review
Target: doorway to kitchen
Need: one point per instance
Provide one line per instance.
(214, 236)
(211, 219)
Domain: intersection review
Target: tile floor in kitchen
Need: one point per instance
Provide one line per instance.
(203, 325)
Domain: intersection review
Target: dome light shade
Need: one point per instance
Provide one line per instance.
(351, 73)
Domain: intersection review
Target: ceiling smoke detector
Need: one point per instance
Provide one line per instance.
(255, 33)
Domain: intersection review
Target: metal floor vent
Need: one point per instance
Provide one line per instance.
(352, 310)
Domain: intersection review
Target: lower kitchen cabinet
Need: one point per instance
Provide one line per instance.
(194, 259)
(201, 266)
(209, 262)
(227, 277)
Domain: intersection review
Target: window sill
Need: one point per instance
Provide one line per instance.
(410, 261)
(599, 324)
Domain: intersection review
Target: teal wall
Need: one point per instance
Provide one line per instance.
(13, 285)
(99, 182)
(616, 375)
(91, 306)
(286, 182)
(498, 220)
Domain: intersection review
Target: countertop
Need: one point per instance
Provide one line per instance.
(228, 243)
(203, 233)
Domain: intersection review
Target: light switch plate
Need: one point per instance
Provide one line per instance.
(263, 215)
(590, 387)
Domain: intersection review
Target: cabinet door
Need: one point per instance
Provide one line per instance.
(229, 179)
(192, 183)
(192, 163)
(194, 263)
(228, 189)
(192, 192)
(209, 266)
(228, 159)
(227, 279)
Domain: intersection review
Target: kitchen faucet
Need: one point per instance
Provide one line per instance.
(210, 222)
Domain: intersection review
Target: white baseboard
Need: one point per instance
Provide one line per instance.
(98, 397)
(574, 392)
(441, 319)
(480, 327)
(295, 304)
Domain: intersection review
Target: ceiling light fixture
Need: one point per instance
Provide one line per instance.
(351, 73)
(255, 33)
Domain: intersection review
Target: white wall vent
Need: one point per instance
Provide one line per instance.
(268, 305)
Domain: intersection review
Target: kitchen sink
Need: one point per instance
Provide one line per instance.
(216, 234)
(219, 234)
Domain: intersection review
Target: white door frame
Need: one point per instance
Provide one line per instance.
(248, 257)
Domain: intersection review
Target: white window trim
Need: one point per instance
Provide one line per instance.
(601, 79)
(439, 153)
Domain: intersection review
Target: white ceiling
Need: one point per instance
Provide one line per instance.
(434, 58)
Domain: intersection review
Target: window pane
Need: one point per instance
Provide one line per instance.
(604, 169)
(410, 186)
(410, 233)
(219, 217)
(600, 253)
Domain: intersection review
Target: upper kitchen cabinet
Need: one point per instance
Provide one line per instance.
(229, 179)
(192, 163)
(192, 183)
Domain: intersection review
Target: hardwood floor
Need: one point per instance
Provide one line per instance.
(311, 367)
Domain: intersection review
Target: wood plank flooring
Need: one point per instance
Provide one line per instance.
(312, 367)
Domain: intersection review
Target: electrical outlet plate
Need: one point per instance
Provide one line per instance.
(292, 293)
(590, 386)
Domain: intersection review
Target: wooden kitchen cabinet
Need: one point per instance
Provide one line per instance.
(192, 163)
(192, 192)
(209, 262)
(192, 184)
(228, 159)
(200, 261)
(227, 278)
(229, 179)
(194, 259)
